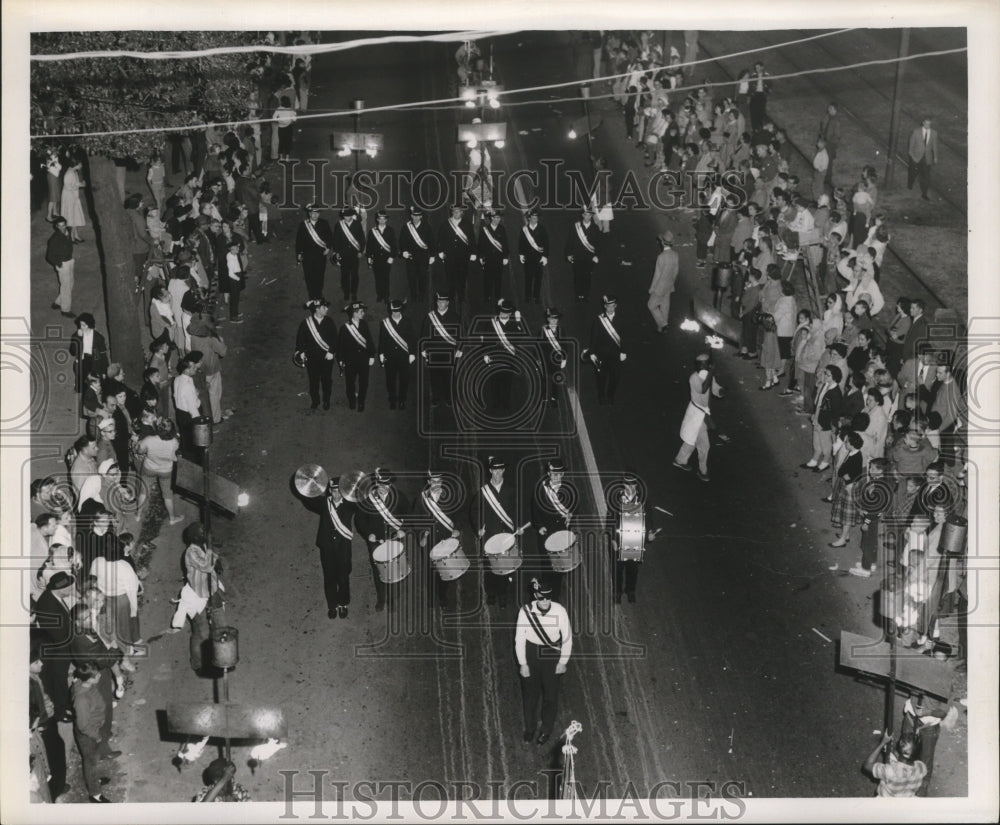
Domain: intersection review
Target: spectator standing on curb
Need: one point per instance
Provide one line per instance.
(89, 713)
(187, 404)
(59, 255)
(71, 206)
(760, 87)
(157, 454)
(829, 131)
(206, 340)
(156, 178)
(821, 166)
(664, 280)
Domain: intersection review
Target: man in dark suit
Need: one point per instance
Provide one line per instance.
(607, 350)
(583, 252)
(349, 246)
(380, 518)
(333, 538)
(416, 243)
(441, 347)
(247, 192)
(494, 254)
(923, 152)
(553, 507)
(397, 350)
(313, 245)
(918, 331)
(53, 615)
(917, 376)
(456, 248)
(533, 253)
(494, 510)
(316, 342)
(381, 249)
(829, 130)
(435, 518)
(501, 335)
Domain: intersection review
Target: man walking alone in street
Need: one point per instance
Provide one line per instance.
(923, 152)
(697, 419)
(664, 279)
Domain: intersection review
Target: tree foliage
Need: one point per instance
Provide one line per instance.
(119, 93)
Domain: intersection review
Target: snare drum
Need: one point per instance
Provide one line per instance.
(632, 536)
(564, 551)
(503, 553)
(392, 561)
(448, 559)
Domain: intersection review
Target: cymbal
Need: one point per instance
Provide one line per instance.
(354, 485)
(311, 480)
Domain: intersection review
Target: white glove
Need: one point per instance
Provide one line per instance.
(593, 358)
(381, 358)
(412, 357)
(389, 260)
(517, 315)
(545, 261)
(329, 356)
(560, 669)
(371, 538)
(562, 364)
(525, 671)
(406, 255)
(486, 359)
(440, 255)
(458, 353)
(472, 257)
(430, 260)
(520, 258)
(372, 361)
(569, 258)
(622, 356)
(507, 261)
(595, 259)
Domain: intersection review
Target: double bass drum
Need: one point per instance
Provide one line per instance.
(632, 536)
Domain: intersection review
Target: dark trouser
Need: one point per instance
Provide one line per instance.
(185, 433)
(541, 684)
(253, 218)
(758, 110)
(496, 587)
(859, 228)
(234, 300)
(55, 678)
(89, 754)
(201, 631)
(139, 264)
(492, 277)
(55, 752)
(349, 278)
(869, 542)
(336, 561)
(832, 152)
(439, 377)
(630, 118)
(920, 171)
(608, 375)
(626, 575)
(927, 737)
(702, 232)
(356, 380)
(457, 274)
(381, 272)
(381, 590)
(893, 356)
(582, 270)
(417, 276)
(808, 389)
(500, 384)
(320, 372)
(553, 380)
(446, 593)
(313, 269)
(397, 377)
(533, 280)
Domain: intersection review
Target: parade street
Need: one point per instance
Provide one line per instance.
(718, 673)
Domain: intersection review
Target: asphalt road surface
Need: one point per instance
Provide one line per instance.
(723, 671)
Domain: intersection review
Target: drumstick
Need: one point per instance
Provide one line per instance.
(662, 510)
(522, 528)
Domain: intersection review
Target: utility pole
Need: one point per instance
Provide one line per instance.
(904, 50)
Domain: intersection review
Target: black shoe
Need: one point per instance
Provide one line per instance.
(379, 606)
(98, 798)
(503, 601)
(314, 407)
(447, 402)
(402, 405)
(55, 306)
(631, 598)
(392, 405)
(331, 614)
(542, 738)
(111, 755)
(342, 611)
(352, 403)
(361, 406)
(491, 600)
(326, 405)
(528, 736)
(618, 598)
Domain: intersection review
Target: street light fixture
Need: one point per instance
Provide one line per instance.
(356, 142)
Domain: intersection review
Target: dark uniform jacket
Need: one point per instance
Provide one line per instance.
(369, 521)
(602, 344)
(492, 345)
(430, 337)
(482, 514)
(349, 349)
(307, 247)
(486, 249)
(305, 342)
(575, 247)
(407, 243)
(388, 347)
(427, 523)
(545, 514)
(552, 356)
(524, 247)
(452, 245)
(346, 251)
(378, 254)
(327, 535)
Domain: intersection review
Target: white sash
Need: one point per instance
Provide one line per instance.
(496, 506)
(440, 328)
(437, 512)
(531, 239)
(606, 321)
(492, 239)
(552, 339)
(458, 231)
(391, 329)
(384, 512)
(312, 231)
(416, 235)
(504, 340)
(560, 507)
(583, 238)
(350, 236)
(356, 335)
(314, 331)
(377, 234)
(339, 525)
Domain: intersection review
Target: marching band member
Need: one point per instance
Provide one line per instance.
(349, 246)
(494, 253)
(553, 354)
(436, 524)
(380, 518)
(622, 504)
(316, 346)
(416, 243)
(314, 243)
(381, 249)
(553, 506)
(500, 337)
(543, 643)
(456, 250)
(533, 253)
(606, 351)
(397, 348)
(356, 354)
(334, 537)
(697, 417)
(583, 252)
(440, 337)
(493, 511)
